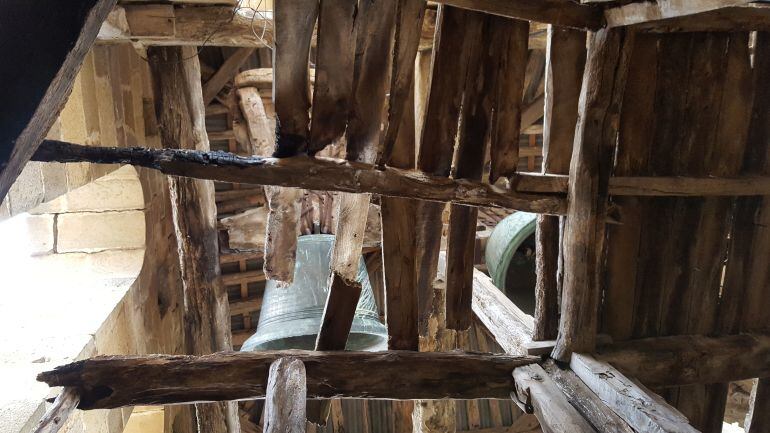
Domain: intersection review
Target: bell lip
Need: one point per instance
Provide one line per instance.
(376, 342)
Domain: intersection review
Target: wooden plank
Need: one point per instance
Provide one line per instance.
(317, 173)
(372, 65)
(511, 328)
(281, 232)
(535, 391)
(513, 36)
(690, 359)
(206, 311)
(334, 69)
(57, 415)
(595, 134)
(557, 12)
(35, 90)
(643, 12)
(590, 406)
(456, 30)
(338, 313)
(285, 397)
(634, 403)
(294, 22)
(408, 30)
(243, 375)
(225, 73)
(475, 122)
(565, 61)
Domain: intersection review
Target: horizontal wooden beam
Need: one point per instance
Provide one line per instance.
(309, 173)
(652, 186)
(245, 306)
(558, 12)
(109, 382)
(678, 16)
(691, 359)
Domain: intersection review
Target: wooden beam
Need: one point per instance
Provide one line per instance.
(634, 403)
(565, 62)
(245, 306)
(396, 375)
(658, 12)
(206, 313)
(225, 73)
(536, 392)
(56, 416)
(339, 310)
(690, 359)
(334, 60)
(285, 397)
(511, 53)
(595, 135)
(188, 26)
(511, 327)
(590, 406)
(36, 87)
(558, 12)
(301, 172)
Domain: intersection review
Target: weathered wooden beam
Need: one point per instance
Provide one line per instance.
(652, 14)
(285, 397)
(537, 393)
(511, 327)
(634, 403)
(590, 406)
(225, 73)
(103, 383)
(36, 88)
(565, 62)
(558, 12)
(56, 415)
(301, 172)
(334, 62)
(193, 26)
(690, 359)
(595, 138)
(181, 117)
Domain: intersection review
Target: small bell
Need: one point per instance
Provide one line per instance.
(291, 316)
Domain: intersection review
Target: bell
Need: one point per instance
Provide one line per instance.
(290, 317)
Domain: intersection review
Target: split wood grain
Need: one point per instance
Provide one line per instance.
(637, 405)
(301, 172)
(206, 310)
(334, 71)
(565, 61)
(281, 232)
(285, 397)
(593, 409)
(595, 135)
(536, 392)
(293, 22)
(387, 375)
(511, 327)
(509, 53)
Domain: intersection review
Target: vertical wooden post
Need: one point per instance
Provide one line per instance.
(565, 61)
(595, 136)
(285, 397)
(181, 116)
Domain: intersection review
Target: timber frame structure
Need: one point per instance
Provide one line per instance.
(653, 240)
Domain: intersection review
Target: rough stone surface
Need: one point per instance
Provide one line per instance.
(100, 231)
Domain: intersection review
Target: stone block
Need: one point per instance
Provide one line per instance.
(100, 231)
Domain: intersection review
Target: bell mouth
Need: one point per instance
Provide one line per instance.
(291, 316)
(357, 341)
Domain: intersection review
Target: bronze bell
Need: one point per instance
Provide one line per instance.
(291, 316)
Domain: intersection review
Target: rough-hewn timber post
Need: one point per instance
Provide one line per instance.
(181, 115)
